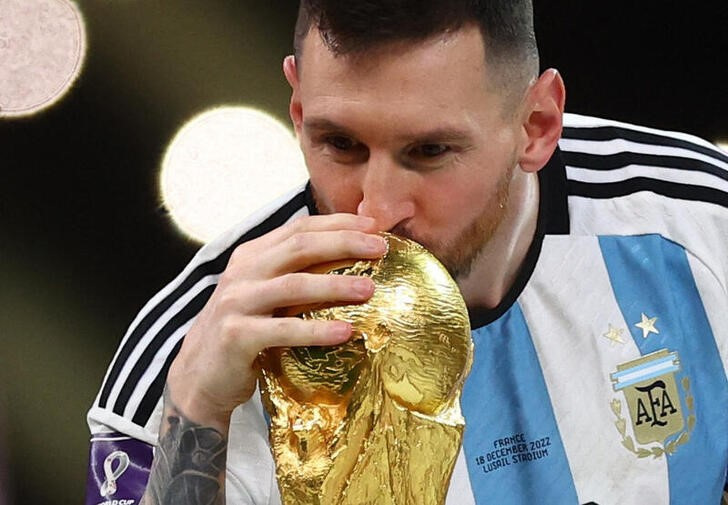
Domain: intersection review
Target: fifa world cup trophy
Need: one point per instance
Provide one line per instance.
(377, 419)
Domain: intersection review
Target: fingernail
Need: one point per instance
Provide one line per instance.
(363, 287)
(376, 244)
(341, 331)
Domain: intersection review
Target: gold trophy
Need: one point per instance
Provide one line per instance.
(376, 420)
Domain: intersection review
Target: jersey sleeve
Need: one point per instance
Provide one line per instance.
(125, 417)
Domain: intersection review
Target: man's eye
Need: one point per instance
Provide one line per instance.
(340, 143)
(429, 150)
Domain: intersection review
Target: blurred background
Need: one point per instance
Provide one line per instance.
(85, 239)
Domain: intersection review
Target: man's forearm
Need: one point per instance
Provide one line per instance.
(189, 463)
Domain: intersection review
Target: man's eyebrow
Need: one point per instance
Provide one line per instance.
(321, 124)
(443, 134)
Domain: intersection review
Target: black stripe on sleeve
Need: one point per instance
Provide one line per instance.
(211, 267)
(605, 133)
(637, 184)
(180, 318)
(155, 390)
(620, 160)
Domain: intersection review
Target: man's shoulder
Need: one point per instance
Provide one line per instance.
(625, 178)
(612, 150)
(129, 397)
(597, 129)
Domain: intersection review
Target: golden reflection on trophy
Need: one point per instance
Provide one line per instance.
(377, 419)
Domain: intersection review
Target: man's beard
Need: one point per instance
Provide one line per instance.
(458, 255)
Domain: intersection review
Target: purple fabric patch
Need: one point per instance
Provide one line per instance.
(118, 470)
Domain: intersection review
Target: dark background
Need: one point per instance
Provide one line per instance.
(84, 240)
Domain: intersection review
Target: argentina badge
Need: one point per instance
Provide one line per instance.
(654, 402)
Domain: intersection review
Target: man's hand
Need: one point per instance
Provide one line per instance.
(214, 370)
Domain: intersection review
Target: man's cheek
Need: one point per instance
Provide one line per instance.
(339, 196)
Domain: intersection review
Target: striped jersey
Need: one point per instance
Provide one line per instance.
(600, 378)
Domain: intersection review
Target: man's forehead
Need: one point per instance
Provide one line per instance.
(318, 45)
(444, 75)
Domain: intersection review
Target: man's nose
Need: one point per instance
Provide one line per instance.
(387, 192)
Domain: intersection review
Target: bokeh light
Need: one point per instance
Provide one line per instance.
(223, 165)
(42, 48)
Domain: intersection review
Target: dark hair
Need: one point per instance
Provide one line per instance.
(354, 26)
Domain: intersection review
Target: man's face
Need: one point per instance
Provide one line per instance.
(413, 135)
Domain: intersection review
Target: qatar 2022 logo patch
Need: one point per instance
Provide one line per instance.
(112, 474)
(659, 424)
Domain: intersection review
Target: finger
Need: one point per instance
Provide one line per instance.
(304, 224)
(301, 251)
(296, 332)
(304, 250)
(263, 256)
(304, 289)
(339, 221)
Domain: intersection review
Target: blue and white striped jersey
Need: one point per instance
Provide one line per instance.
(601, 377)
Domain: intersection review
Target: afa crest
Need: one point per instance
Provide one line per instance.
(654, 401)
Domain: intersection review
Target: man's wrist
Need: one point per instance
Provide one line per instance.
(189, 462)
(195, 409)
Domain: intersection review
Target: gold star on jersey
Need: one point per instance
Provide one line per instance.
(647, 325)
(614, 335)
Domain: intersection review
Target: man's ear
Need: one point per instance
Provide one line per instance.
(294, 109)
(543, 120)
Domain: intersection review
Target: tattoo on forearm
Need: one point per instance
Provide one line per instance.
(189, 463)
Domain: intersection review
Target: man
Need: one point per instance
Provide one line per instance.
(592, 262)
